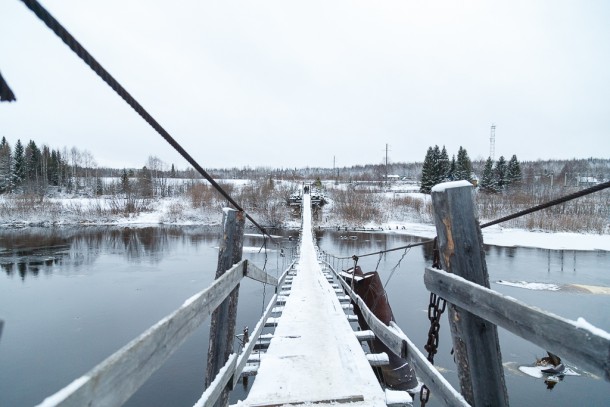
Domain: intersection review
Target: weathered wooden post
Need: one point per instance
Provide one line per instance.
(475, 340)
(222, 324)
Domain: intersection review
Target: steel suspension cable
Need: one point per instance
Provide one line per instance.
(548, 204)
(83, 54)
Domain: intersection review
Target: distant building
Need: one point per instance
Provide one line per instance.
(586, 181)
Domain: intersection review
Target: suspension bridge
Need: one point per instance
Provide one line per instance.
(314, 356)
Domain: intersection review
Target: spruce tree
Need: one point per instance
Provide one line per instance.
(125, 188)
(145, 183)
(463, 170)
(488, 183)
(99, 186)
(427, 172)
(18, 176)
(452, 169)
(5, 166)
(32, 162)
(500, 173)
(513, 171)
(54, 168)
(444, 166)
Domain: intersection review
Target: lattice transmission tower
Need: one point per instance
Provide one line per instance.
(492, 142)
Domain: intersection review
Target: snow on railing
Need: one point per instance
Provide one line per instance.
(114, 380)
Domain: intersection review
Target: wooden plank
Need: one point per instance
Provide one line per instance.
(551, 332)
(340, 400)
(475, 341)
(364, 335)
(378, 359)
(219, 384)
(436, 382)
(383, 332)
(257, 274)
(433, 379)
(222, 323)
(114, 380)
(255, 334)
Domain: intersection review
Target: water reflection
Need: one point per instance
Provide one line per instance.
(39, 250)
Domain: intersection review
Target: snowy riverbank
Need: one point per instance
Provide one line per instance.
(498, 236)
(175, 211)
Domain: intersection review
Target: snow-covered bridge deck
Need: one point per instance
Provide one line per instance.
(314, 356)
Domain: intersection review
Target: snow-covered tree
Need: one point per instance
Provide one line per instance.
(463, 166)
(6, 166)
(145, 183)
(488, 182)
(125, 187)
(500, 173)
(428, 178)
(19, 169)
(452, 167)
(513, 171)
(444, 166)
(32, 157)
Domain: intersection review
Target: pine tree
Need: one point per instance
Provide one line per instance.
(145, 183)
(18, 176)
(452, 169)
(125, 188)
(514, 171)
(463, 167)
(172, 173)
(500, 173)
(444, 166)
(99, 186)
(32, 162)
(488, 183)
(5, 166)
(54, 168)
(427, 173)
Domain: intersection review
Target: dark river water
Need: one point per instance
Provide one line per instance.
(71, 297)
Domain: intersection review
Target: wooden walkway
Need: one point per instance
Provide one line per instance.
(314, 356)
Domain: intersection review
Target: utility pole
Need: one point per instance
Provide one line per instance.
(386, 163)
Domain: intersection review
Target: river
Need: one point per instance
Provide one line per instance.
(70, 297)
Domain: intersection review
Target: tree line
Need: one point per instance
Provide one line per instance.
(32, 169)
(438, 168)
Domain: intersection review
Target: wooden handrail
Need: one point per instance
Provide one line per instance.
(551, 332)
(395, 339)
(118, 377)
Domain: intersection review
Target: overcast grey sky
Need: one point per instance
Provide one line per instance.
(292, 84)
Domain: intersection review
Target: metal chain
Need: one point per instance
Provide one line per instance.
(436, 307)
(424, 395)
(435, 310)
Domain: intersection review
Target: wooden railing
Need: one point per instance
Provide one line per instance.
(117, 378)
(399, 343)
(114, 380)
(475, 311)
(551, 332)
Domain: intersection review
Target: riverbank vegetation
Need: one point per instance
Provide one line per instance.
(45, 186)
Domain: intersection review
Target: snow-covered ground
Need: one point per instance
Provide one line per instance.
(178, 211)
(498, 236)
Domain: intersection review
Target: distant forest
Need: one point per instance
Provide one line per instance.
(40, 169)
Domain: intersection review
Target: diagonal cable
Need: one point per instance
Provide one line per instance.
(83, 54)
